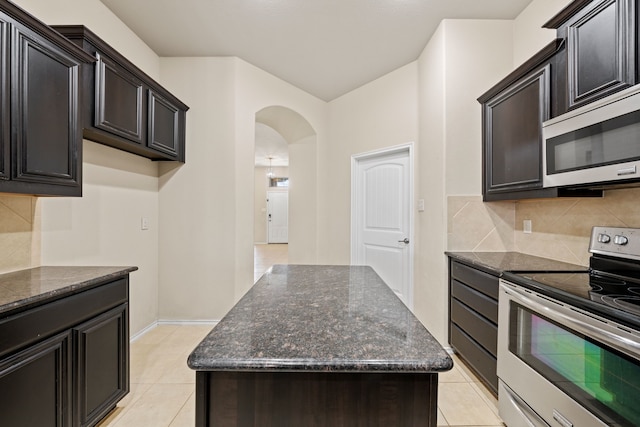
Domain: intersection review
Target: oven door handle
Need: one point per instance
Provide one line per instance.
(590, 326)
(513, 404)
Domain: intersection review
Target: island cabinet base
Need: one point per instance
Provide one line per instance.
(315, 399)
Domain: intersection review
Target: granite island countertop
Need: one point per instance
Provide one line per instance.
(24, 289)
(320, 318)
(499, 262)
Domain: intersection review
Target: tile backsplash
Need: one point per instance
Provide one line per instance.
(474, 226)
(19, 233)
(560, 227)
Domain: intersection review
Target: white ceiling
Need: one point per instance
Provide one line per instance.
(324, 47)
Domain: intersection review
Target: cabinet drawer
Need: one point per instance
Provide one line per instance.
(35, 324)
(484, 305)
(483, 363)
(483, 331)
(479, 280)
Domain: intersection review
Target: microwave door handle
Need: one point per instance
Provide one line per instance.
(629, 346)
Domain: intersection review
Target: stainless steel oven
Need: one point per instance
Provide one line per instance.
(597, 143)
(569, 343)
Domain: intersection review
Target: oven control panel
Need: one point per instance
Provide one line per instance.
(616, 241)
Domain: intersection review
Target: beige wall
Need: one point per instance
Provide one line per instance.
(528, 35)
(380, 114)
(303, 201)
(103, 226)
(429, 241)
(461, 61)
(197, 217)
(207, 205)
(261, 186)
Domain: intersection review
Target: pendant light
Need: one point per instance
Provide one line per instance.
(270, 172)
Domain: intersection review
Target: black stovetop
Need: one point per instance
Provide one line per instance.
(612, 292)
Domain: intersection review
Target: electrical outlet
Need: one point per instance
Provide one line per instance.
(526, 226)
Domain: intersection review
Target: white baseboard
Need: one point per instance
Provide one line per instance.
(189, 322)
(157, 323)
(144, 330)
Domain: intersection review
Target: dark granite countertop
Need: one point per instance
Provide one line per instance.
(23, 289)
(320, 318)
(500, 262)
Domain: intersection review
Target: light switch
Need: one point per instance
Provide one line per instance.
(526, 226)
(144, 223)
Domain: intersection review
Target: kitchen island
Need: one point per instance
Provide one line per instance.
(318, 346)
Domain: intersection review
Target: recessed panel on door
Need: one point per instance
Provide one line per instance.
(46, 100)
(118, 101)
(5, 124)
(163, 125)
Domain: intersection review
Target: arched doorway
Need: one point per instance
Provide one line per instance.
(280, 122)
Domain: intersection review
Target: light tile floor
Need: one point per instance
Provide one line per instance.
(163, 387)
(264, 256)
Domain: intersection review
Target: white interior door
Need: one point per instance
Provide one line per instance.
(381, 218)
(277, 217)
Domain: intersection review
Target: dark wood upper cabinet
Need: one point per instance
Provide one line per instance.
(5, 104)
(601, 54)
(118, 100)
(45, 105)
(124, 107)
(165, 126)
(40, 134)
(512, 114)
(513, 134)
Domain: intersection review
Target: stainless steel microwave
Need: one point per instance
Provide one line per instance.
(595, 144)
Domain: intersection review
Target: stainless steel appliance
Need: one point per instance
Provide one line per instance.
(569, 343)
(597, 143)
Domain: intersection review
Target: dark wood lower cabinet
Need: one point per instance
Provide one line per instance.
(103, 368)
(473, 319)
(315, 399)
(66, 363)
(35, 385)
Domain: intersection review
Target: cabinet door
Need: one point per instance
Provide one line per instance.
(513, 134)
(166, 125)
(45, 100)
(119, 103)
(5, 105)
(601, 46)
(102, 364)
(35, 385)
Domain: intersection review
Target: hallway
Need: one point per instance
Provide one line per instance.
(264, 256)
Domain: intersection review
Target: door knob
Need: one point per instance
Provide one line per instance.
(406, 240)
